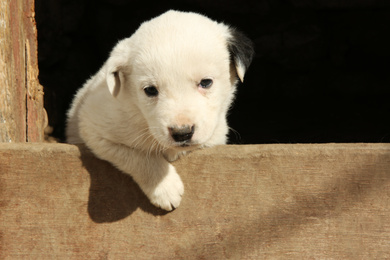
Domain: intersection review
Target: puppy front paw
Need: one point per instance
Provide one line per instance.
(167, 193)
(172, 155)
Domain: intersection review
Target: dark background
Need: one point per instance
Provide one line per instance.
(320, 74)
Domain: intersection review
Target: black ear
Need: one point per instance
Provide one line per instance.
(241, 50)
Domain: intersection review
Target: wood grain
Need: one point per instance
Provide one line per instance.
(22, 116)
(329, 201)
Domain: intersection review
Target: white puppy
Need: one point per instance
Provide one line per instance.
(162, 92)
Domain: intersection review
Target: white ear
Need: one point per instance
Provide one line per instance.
(117, 65)
(114, 81)
(241, 51)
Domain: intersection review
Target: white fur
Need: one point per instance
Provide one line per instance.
(114, 117)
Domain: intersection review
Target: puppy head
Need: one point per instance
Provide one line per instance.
(180, 70)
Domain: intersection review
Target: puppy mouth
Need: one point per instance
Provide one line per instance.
(185, 145)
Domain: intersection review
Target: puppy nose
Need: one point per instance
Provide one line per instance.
(182, 133)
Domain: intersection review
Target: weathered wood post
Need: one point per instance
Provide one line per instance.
(22, 116)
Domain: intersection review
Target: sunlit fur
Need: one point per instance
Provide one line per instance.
(114, 117)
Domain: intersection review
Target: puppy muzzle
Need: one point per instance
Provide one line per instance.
(182, 135)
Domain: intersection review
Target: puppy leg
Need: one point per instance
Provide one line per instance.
(156, 177)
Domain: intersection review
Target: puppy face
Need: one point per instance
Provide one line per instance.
(180, 71)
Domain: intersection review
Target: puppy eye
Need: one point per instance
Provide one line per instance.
(151, 91)
(206, 83)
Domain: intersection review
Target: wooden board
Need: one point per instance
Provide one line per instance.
(329, 201)
(22, 116)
